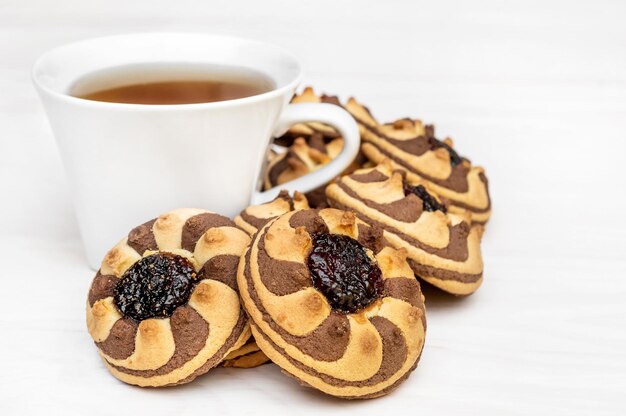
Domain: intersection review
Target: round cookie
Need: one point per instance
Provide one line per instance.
(308, 131)
(164, 308)
(250, 220)
(413, 147)
(309, 146)
(443, 248)
(255, 217)
(331, 304)
(302, 157)
(248, 356)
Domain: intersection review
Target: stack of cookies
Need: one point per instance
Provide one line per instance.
(325, 285)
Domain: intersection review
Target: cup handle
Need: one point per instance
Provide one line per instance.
(329, 114)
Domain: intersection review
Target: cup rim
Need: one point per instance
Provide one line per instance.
(289, 86)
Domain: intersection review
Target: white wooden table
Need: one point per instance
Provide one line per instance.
(533, 90)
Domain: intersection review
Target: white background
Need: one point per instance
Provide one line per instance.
(535, 91)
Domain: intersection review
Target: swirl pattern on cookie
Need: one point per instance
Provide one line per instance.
(442, 247)
(255, 217)
(301, 158)
(248, 356)
(304, 156)
(311, 130)
(309, 146)
(250, 220)
(164, 308)
(413, 147)
(331, 304)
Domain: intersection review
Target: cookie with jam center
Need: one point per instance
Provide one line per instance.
(248, 356)
(442, 246)
(307, 147)
(251, 219)
(332, 304)
(255, 217)
(304, 156)
(412, 146)
(164, 306)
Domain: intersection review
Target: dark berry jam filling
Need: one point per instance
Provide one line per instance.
(430, 203)
(155, 286)
(342, 271)
(435, 143)
(455, 159)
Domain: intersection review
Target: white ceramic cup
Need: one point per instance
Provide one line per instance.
(127, 163)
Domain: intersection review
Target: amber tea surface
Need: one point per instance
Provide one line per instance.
(171, 84)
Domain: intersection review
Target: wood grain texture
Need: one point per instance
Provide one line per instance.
(535, 91)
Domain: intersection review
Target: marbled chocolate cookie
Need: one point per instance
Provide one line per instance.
(250, 220)
(248, 356)
(308, 131)
(164, 308)
(302, 157)
(255, 217)
(412, 146)
(443, 248)
(331, 304)
(309, 146)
